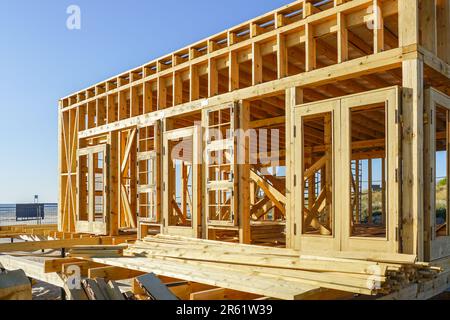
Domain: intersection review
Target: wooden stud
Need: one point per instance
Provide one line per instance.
(257, 64)
(282, 57)
(310, 48)
(412, 148)
(378, 27)
(213, 78)
(194, 83)
(177, 89)
(244, 174)
(342, 38)
(233, 71)
(428, 25)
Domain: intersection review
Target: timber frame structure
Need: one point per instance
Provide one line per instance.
(358, 92)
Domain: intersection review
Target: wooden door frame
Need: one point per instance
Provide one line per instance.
(195, 230)
(391, 243)
(340, 108)
(435, 247)
(303, 242)
(232, 184)
(91, 226)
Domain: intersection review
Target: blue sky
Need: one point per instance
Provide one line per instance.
(42, 61)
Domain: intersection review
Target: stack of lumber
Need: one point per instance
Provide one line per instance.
(281, 269)
(95, 251)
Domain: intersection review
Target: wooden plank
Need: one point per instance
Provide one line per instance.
(33, 269)
(94, 291)
(342, 38)
(113, 273)
(378, 27)
(408, 20)
(55, 265)
(155, 288)
(114, 291)
(274, 288)
(282, 57)
(46, 245)
(428, 25)
(243, 181)
(257, 64)
(412, 147)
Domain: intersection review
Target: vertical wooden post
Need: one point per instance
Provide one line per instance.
(61, 165)
(91, 188)
(203, 168)
(244, 174)
(294, 97)
(342, 38)
(122, 105)
(194, 83)
(428, 25)
(257, 64)
(148, 98)
(443, 29)
(158, 168)
(408, 20)
(378, 27)
(134, 102)
(133, 177)
(310, 48)
(328, 128)
(177, 89)
(412, 144)
(110, 112)
(114, 183)
(213, 78)
(369, 190)
(162, 94)
(383, 186)
(233, 71)
(413, 211)
(357, 193)
(282, 57)
(308, 9)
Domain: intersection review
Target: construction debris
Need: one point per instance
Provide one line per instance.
(15, 285)
(99, 289)
(152, 286)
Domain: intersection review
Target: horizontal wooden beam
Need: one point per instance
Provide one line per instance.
(384, 61)
(113, 273)
(47, 245)
(356, 12)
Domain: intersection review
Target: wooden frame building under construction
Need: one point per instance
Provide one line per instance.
(356, 94)
(304, 154)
